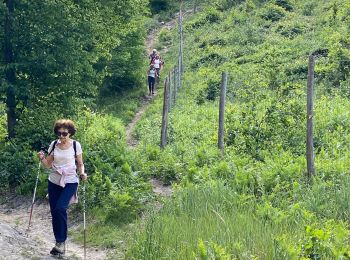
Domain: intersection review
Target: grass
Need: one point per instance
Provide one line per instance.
(104, 235)
(208, 214)
(124, 106)
(213, 220)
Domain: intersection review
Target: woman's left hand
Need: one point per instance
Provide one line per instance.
(83, 176)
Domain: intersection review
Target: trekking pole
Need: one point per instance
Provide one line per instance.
(36, 185)
(84, 216)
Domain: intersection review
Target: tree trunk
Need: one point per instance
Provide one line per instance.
(10, 74)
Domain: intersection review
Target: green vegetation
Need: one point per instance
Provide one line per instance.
(78, 60)
(252, 202)
(215, 221)
(163, 10)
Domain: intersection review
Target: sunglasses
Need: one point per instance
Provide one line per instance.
(62, 133)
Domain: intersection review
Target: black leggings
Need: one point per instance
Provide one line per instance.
(151, 82)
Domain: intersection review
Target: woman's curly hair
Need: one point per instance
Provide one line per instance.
(65, 123)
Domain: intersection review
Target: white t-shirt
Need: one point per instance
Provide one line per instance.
(156, 63)
(63, 159)
(152, 73)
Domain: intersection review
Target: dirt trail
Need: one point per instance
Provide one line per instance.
(150, 41)
(158, 186)
(16, 242)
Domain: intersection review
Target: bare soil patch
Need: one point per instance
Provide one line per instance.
(17, 242)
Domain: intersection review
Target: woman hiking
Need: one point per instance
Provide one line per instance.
(152, 56)
(157, 63)
(152, 74)
(63, 155)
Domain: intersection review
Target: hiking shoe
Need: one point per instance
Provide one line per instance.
(58, 249)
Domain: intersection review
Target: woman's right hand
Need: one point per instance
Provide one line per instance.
(41, 155)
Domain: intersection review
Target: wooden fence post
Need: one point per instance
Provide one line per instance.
(170, 90)
(181, 44)
(222, 111)
(163, 134)
(178, 72)
(175, 88)
(177, 76)
(309, 121)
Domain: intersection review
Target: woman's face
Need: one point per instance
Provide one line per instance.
(63, 134)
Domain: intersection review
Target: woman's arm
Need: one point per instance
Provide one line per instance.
(81, 167)
(47, 161)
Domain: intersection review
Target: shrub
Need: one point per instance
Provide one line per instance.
(223, 170)
(161, 5)
(326, 242)
(165, 36)
(209, 15)
(289, 29)
(273, 13)
(338, 68)
(286, 4)
(211, 250)
(223, 5)
(121, 208)
(309, 7)
(212, 59)
(18, 164)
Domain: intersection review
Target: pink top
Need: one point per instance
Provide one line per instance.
(156, 63)
(63, 169)
(64, 172)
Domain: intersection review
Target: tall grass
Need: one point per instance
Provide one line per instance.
(213, 221)
(215, 214)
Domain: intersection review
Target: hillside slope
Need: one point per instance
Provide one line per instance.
(264, 45)
(266, 100)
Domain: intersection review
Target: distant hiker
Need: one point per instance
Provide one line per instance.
(63, 155)
(152, 74)
(157, 63)
(152, 56)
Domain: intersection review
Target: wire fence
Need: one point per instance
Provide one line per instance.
(172, 84)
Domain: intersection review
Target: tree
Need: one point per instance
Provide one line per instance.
(9, 70)
(161, 5)
(58, 53)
